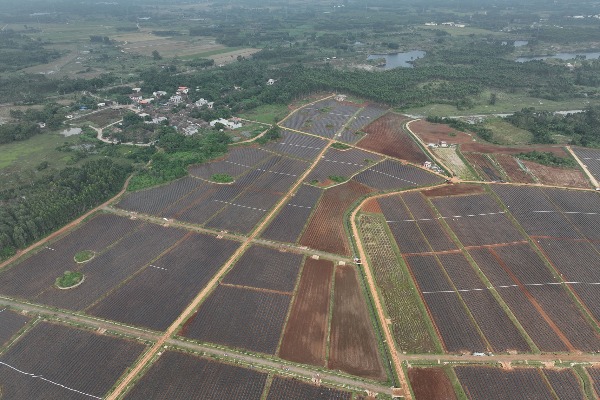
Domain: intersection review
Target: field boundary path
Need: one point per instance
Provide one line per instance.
(583, 167)
(228, 355)
(149, 356)
(66, 227)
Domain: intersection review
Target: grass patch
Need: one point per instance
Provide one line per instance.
(84, 256)
(506, 133)
(69, 279)
(267, 113)
(338, 179)
(222, 178)
(340, 146)
(549, 159)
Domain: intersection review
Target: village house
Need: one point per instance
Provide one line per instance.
(226, 123)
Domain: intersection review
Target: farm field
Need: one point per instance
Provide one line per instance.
(305, 336)
(353, 345)
(386, 136)
(184, 376)
(452, 160)
(76, 362)
(431, 383)
(241, 318)
(590, 158)
(10, 324)
(293, 389)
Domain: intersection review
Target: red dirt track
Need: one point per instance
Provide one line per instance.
(305, 336)
(453, 190)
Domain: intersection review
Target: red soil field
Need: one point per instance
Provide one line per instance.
(557, 176)
(305, 336)
(512, 169)
(431, 383)
(372, 206)
(353, 347)
(453, 190)
(386, 136)
(325, 230)
(433, 133)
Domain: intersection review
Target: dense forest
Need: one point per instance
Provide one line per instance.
(28, 213)
(582, 129)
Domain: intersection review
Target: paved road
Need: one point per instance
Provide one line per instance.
(224, 354)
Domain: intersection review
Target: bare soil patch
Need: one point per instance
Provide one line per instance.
(372, 206)
(305, 336)
(431, 383)
(353, 343)
(453, 190)
(434, 133)
(492, 148)
(557, 176)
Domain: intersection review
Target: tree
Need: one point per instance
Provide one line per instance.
(493, 99)
(156, 55)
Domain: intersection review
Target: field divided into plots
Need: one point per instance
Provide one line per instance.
(75, 364)
(353, 346)
(327, 117)
(387, 136)
(394, 282)
(266, 268)
(305, 336)
(155, 297)
(490, 383)
(10, 324)
(181, 376)
(241, 318)
(297, 145)
(431, 383)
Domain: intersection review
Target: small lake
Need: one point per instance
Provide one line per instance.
(562, 56)
(398, 60)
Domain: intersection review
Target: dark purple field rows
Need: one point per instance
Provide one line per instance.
(577, 261)
(582, 209)
(266, 268)
(38, 273)
(181, 376)
(535, 212)
(427, 221)
(405, 230)
(155, 297)
(300, 120)
(295, 144)
(288, 225)
(84, 363)
(591, 159)
(490, 383)
(344, 163)
(464, 215)
(293, 389)
(331, 118)
(530, 270)
(456, 328)
(243, 318)
(154, 201)
(495, 324)
(390, 174)
(367, 115)
(518, 302)
(565, 384)
(112, 266)
(10, 324)
(235, 163)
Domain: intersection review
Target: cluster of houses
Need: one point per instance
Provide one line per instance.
(450, 23)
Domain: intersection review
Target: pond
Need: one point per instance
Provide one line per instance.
(562, 56)
(398, 60)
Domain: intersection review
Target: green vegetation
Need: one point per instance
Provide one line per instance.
(69, 279)
(478, 128)
(547, 158)
(505, 133)
(179, 152)
(84, 256)
(581, 128)
(340, 146)
(222, 178)
(338, 179)
(273, 133)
